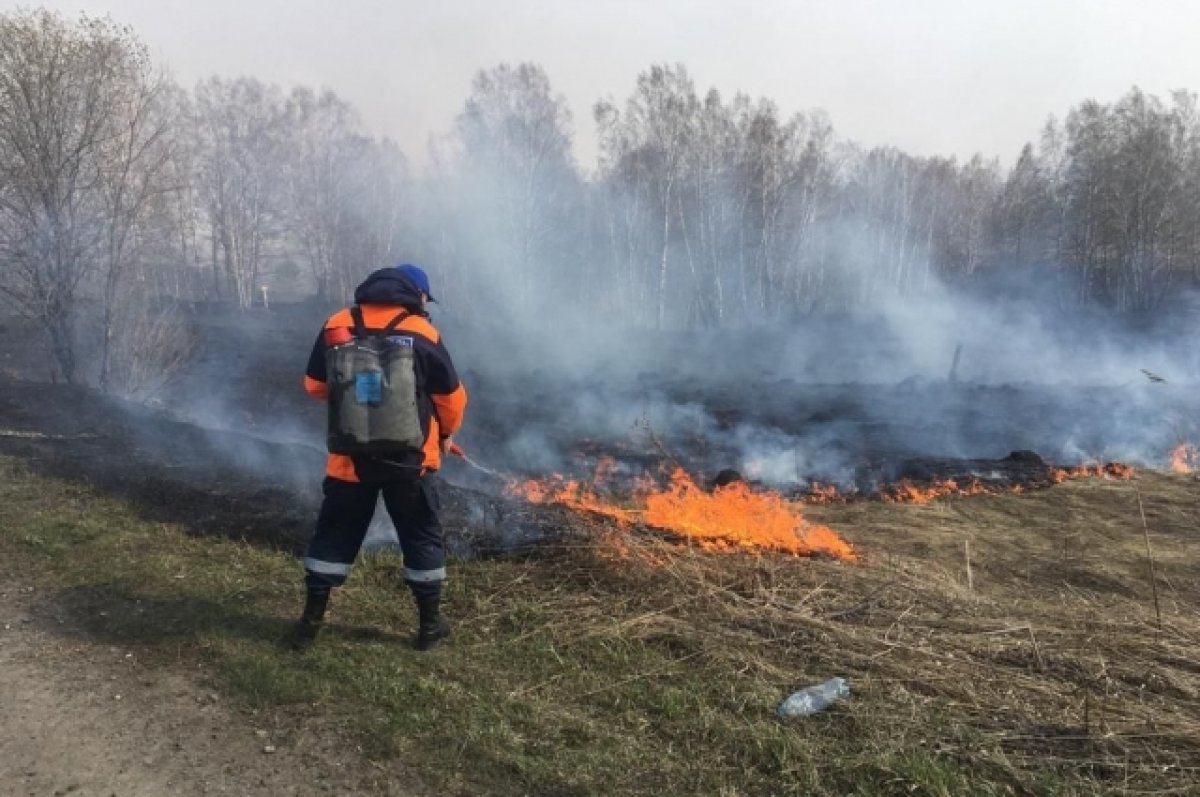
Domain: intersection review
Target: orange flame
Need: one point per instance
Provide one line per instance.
(907, 491)
(1107, 470)
(1184, 458)
(825, 494)
(732, 517)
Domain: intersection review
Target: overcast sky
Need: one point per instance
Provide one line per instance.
(950, 77)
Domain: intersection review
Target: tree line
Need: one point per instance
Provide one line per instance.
(121, 191)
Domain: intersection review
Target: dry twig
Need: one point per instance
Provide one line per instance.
(1149, 557)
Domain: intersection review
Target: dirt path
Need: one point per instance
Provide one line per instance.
(79, 717)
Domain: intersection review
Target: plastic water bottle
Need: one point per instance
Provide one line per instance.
(814, 698)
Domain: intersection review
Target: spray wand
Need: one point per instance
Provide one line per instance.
(457, 450)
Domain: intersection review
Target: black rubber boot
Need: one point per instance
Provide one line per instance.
(432, 628)
(304, 633)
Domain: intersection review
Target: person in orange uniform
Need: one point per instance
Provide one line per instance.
(410, 491)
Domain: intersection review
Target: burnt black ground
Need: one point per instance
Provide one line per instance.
(171, 470)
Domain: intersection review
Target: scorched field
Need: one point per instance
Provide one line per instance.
(646, 571)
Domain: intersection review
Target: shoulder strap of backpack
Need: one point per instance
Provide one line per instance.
(395, 322)
(360, 329)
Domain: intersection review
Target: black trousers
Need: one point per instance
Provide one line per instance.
(346, 512)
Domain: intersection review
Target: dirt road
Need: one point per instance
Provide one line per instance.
(79, 717)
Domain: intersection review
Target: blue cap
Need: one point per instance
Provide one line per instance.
(418, 277)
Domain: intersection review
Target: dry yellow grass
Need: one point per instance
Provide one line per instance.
(1048, 657)
(622, 662)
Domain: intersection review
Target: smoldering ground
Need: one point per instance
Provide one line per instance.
(842, 399)
(1006, 363)
(834, 398)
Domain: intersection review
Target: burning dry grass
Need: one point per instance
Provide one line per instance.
(727, 518)
(909, 491)
(1184, 458)
(1049, 663)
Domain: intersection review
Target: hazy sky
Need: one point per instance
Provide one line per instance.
(930, 76)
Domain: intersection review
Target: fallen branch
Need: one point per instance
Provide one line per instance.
(44, 436)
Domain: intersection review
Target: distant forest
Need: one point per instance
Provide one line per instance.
(118, 187)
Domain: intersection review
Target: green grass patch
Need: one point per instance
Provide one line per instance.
(575, 672)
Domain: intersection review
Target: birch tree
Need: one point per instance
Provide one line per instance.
(240, 162)
(517, 180)
(82, 143)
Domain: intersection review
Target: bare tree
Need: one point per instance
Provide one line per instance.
(318, 127)
(516, 180)
(134, 175)
(648, 146)
(240, 160)
(119, 191)
(76, 145)
(374, 210)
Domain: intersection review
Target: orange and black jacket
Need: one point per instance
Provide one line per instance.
(441, 398)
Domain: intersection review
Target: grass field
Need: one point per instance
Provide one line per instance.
(628, 664)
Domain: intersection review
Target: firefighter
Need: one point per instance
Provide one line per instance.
(390, 301)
